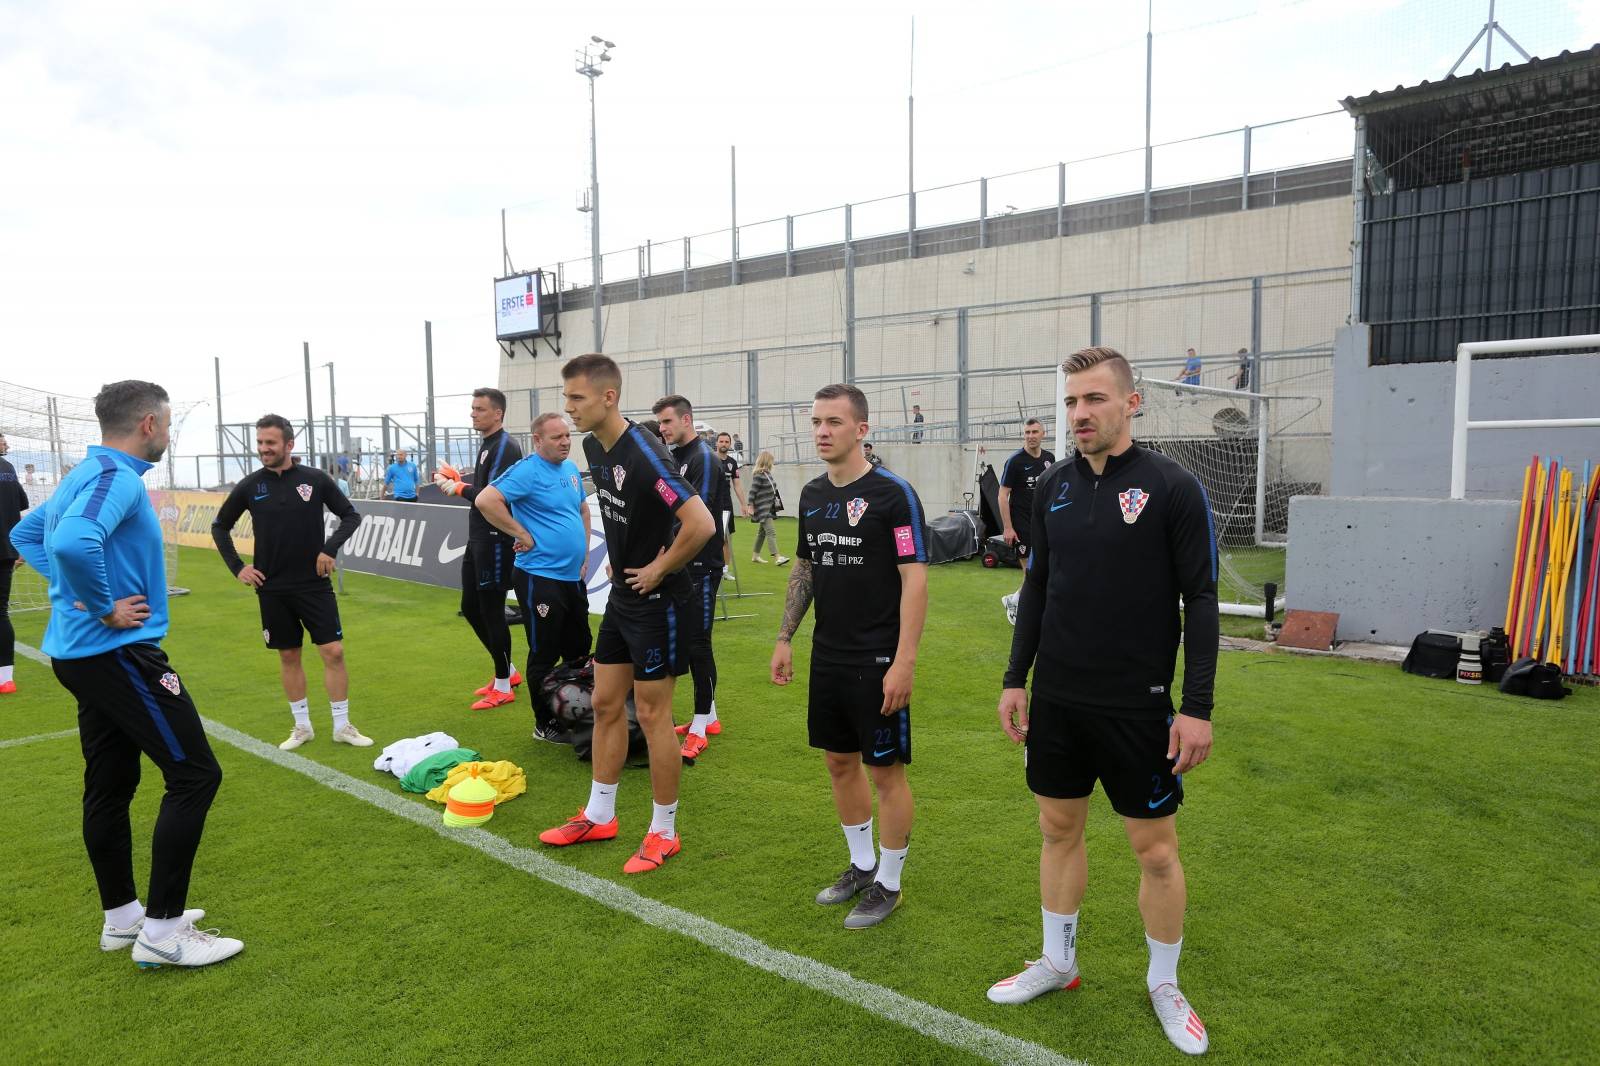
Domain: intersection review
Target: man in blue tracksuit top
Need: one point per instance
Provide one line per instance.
(98, 541)
(539, 503)
(402, 474)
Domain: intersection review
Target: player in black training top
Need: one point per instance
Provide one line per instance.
(1018, 476)
(13, 501)
(732, 495)
(486, 568)
(700, 466)
(655, 524)
(862, 555)
(1121, 535)
(290, 568)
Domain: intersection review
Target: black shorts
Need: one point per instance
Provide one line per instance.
(283, 614)
(1069, 748)
(488, 564)
(845, 714)
(651, 634)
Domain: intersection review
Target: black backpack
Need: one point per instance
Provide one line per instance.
(568, 691)
(1433, 654)
(1530, 677)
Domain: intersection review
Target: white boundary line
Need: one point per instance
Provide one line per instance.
(936, 1023)
(17, 742)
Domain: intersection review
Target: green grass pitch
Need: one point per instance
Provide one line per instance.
(1381, 869)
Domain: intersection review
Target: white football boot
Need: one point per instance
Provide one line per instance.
(297, 738)
(1183, 1026)
(187, 946)
(114, 939)
(1040, 977)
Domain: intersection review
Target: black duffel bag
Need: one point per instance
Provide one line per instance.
(1433, 654)
(568, 691)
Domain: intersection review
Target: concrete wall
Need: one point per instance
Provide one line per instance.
(810, 310)
(1393, 567)
(1392, 424)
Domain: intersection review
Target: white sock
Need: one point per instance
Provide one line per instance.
(5, 673)
(1060, 939)
(341, 713)
(859, 837)
(502, 684)
(602, 805)
(301, 709)
(1163, 963)
(697, 725)
(890, 864)
(125, 915)
(158, 929)
(664, 818)
(712, 717)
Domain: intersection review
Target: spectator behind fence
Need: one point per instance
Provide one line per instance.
(1241, 377)
(917, 420)
(765, 503)
(1190, 374)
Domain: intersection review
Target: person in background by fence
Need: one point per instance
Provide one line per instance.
(1241, 377)
(1018, 477)
(98, 541)
(403, 475)
(764, 508)
(1190, 374)
(13, 501)
(917, 420)
(731, 491)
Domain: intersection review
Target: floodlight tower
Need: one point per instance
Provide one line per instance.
(589, 67)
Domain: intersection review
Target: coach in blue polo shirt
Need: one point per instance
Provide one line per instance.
(539, 501)
(402, 474)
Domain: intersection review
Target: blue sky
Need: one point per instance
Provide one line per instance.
(186, 180)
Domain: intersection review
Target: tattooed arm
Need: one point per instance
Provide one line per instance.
(796, 603)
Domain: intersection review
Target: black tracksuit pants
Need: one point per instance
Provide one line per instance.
(131, 701)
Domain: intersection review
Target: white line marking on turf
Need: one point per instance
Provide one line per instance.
(944, 1026)
(17, 742)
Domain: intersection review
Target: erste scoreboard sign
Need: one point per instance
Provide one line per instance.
(518, 306)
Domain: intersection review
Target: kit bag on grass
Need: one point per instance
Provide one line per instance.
(1433, 654)
(1530, 677)
(568, 691)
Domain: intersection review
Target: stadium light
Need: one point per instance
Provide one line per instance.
(589, 67)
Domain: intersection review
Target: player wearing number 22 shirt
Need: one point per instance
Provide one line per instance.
(862, 556)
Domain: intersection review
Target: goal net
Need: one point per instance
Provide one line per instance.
(1251, 451)
(47, 434)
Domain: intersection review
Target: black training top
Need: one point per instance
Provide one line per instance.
(640, 491)
(730, 471)
(1020, 474)
(700, 467)
(286, 511)
(497, 454)
(857, 537)
(13, 501)
(1112, 555)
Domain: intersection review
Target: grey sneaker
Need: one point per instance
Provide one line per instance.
(1179, 1021)
(852, 881)
(877, 903)
(114, 939)
(1040, 977)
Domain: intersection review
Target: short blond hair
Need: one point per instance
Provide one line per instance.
(1084, 358)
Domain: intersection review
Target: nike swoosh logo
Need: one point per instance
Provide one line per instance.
(881, 754)
(1153, 804)
(448, 554)
(813, 511)
(172, 956)
(1058, 506)
(653, 669)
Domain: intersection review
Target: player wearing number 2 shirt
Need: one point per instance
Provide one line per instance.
(862, 556)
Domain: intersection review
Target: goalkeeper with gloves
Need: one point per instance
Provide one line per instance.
(486, 568)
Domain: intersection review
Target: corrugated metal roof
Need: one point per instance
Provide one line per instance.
(1477, 81)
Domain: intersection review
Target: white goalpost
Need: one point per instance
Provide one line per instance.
(1251, 451)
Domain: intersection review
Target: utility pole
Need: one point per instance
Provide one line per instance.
(1149, 66)
(335, 439)
(589, 67)
(216, 368)
(311, 425)
(427, 338)
(1490, 28)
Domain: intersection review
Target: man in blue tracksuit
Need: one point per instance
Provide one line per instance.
(98, 541)
(402, 474)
